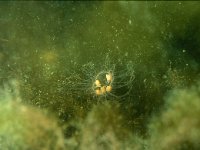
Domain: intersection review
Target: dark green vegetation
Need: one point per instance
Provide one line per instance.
(54, 50)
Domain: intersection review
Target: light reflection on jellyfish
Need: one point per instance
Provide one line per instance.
(104, 82)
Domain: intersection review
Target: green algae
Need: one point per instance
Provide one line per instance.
(54, 50)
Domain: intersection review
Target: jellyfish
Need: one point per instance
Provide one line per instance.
(104, 81)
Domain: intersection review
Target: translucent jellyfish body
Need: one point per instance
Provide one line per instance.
(103, 83)
(106, 81)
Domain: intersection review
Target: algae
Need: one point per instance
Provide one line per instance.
(52, 53)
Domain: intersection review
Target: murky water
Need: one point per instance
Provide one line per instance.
(98, 64)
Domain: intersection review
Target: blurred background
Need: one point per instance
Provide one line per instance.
(51, 52)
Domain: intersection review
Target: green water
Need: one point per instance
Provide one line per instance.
(52, 53)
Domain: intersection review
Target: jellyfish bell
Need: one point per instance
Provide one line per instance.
(103, 83)
(117, 82)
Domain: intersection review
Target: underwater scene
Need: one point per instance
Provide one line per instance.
(99, 75)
